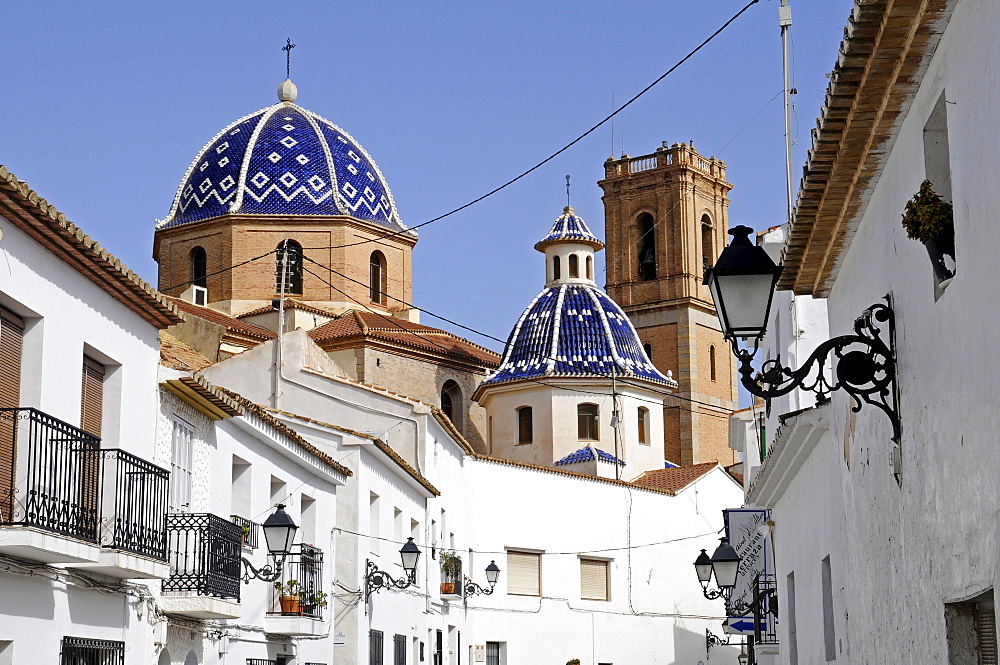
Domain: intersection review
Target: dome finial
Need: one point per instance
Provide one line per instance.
(287, 92)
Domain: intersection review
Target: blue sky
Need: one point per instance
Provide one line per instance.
(106, 104)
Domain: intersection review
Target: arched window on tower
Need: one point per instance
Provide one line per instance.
(587, 422)
(524, 425)
(643, 426)
(707, 250)
(647, 246)
(377, 278)
(648, 348)
(590, 267)
(199, 267)
(556, 270)
(451, 402)
(711, 361)
(289, 257)
(574, 265)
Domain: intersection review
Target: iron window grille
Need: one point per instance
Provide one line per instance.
(83, 651)
(451, 574)
(251, 531)
(767, 591)
(261, 661)
(204, 554)
(304, 565)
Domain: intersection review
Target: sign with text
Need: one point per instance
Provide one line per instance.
(747, 533)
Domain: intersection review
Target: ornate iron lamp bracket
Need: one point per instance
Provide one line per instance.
(266, 573)
(471, 588)
(865, 367)
(376, 580)
(712, 640)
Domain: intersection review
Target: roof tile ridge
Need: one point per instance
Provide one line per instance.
(450, 427)
(360, 321)
(335, 196)
(248, 153)
(564, 472)
(550, 362)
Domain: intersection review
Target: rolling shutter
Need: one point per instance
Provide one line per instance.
(11, 342)
(92, 396)
(524, 573)
(594, 579)
(986, 627)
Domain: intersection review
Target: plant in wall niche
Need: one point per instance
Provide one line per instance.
(931, 220)
(288, 596)
(575, 661)
(451, 572)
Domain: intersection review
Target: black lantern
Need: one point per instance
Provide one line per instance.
(703, 566)
(492, 575)
(725, 564)
(410, 554)
(279, 531)
(742, 283)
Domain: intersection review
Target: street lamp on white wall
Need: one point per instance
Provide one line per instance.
(492, 575)
(279, 532)
(742, 284)
(376, 579)
(724, 564)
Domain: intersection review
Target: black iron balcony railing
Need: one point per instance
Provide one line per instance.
(261, 661)
(134, 504)
(204, 554)
(767, 592)
(300, 592)
(52, 475)
(451, 574)
(251, 531)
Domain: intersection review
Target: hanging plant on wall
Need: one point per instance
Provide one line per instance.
(931, 220)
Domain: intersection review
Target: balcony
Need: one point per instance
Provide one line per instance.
(49, 489)
(251, 532)
(297, 600)
(451, 575)
(204, 552)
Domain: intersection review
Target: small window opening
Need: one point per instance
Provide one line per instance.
(377, 278)
(711, 361)
(648, 348)
(524, 425)
(574, 265)
(288, 268)
(556, 271)
(590, 267)
(588, 418)
(199, 267)
(643, 426)
(647, 246)
(452, 402)
(707, 248)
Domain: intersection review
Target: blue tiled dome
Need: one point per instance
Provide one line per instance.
(586, 454)
(283, 160)
(569, 227)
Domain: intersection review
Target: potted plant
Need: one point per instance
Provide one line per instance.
(931, 220)
(451, 572)
(313, 600)
(288, 596)
(575, 661)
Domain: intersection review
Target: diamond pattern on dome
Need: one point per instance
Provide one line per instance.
(574, 330)
(278, 161)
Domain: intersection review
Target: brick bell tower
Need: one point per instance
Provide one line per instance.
(666, 220)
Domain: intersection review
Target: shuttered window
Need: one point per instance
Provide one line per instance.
(986, 629)
(181, 465)
(594, 580)
(399, 650)
(375, 647)
(11, 341)
(92, 396)
(524, 573)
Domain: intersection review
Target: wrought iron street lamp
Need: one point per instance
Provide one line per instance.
(712, 640)
(742, 284)
(724, 563)
(492, 575)
(279, 532)
(376, 579)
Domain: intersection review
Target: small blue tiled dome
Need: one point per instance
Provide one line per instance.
(283, 160)
(569, 227)
(586, 454)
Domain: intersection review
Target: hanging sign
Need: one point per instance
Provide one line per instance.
(747, 533)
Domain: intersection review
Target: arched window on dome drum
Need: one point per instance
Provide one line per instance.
(377, 278)
(199, 267)
(588, 421)
(643, 426)
(648, 348)
(556, 269)
(590, 267)
(524, 425)
(711, 361)
(707, 250)
(646, 247)
(288, 268)
(452, 402)
(574, 265)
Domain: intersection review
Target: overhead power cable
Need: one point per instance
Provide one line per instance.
(561, 150)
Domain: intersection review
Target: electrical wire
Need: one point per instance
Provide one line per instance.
(563, 149)
(219, 272)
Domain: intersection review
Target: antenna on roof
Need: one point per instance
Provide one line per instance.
(567, 191)
(287, 48)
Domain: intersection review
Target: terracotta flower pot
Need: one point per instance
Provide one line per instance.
(290, 605)
(448, 588)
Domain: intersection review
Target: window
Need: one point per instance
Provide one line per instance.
(417, 539)
(290, 256)
(373, 522)
(376, 278)
(452, 402)
(789, 617)
(574, 265)
(829, 631)
(242, 475)
(647, 246)
(375, 647)
(397, 525)
(587, 422)
(556, 269)
(937, 166)
(81, 651)
(493, 651)
(11, 344)
(524, 433)
(181, 465)
(92, 396)
(971, 631)
(711, 361)
(648, 348)
(399, 649)
(590, 267)
(307, 519)
(643, 426)
(707, 246)
(524, 573)
(199, 267)
(594, 579)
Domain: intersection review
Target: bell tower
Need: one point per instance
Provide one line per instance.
(666, 218)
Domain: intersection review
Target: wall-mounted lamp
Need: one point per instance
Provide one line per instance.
(724, 563)
(492, 575)
(376, 579)
(712, 640)
(742, 283)
(279, 531)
